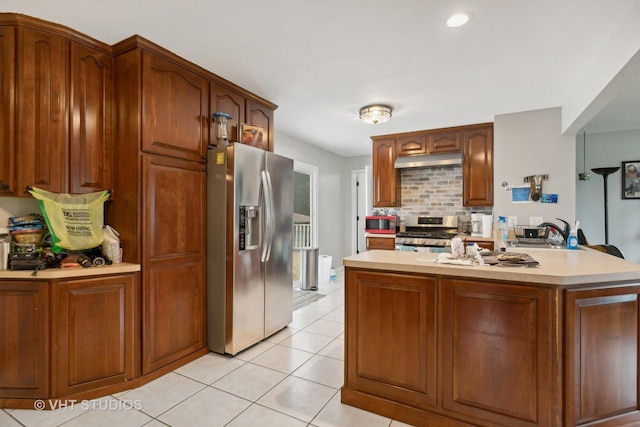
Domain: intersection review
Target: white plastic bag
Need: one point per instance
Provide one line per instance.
(111, 244)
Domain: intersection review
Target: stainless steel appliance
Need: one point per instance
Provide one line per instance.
(249, 246)
(380, 224)
(427, 233)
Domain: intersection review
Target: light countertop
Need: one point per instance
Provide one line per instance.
(71, 272)
(557, 266)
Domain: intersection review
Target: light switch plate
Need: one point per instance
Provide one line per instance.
(535, 220)
(512, 221)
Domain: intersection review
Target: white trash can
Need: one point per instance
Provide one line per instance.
(324, 269)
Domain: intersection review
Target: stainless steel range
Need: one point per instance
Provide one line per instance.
(427, 233)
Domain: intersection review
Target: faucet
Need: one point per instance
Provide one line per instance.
(564, 233)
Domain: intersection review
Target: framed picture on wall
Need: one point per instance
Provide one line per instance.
(631, 179)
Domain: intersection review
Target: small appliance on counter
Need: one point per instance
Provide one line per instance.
(381, 224)
(476, 224)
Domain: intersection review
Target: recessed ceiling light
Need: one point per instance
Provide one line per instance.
(457, 20)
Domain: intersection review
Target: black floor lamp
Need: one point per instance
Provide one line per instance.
(605, 172)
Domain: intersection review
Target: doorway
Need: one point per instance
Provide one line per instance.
(360, 198)
(305, 221)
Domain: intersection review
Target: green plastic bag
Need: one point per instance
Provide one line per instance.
(75, 220)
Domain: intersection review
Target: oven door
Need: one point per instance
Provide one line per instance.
(421, 248)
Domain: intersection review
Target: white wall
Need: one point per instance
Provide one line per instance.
(530, 143)
(333, 193)
(604, 150)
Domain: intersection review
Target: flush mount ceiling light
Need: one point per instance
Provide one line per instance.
(457, 20)
(376, 113)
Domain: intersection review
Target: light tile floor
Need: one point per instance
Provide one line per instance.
(291, 379)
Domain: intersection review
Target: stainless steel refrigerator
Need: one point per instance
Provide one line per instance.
(249, 246)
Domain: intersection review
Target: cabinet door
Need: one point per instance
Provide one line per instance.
(93, 333)
(385, 177)
(444, 142)
(175, 109)
(496, 346)
(232, 103)
(411, 145)
(391, 336)
(41, 110)
(477, 167)
(90, 120)
(602, 346)
(7, 110)
(173, 259)
(260, 115)
(24, 339)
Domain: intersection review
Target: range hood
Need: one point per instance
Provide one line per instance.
(430, 160)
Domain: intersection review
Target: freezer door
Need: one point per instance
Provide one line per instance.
(245, 292)
(278, 244)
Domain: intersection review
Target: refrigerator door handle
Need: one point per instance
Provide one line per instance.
(272, 222)
(268, 202)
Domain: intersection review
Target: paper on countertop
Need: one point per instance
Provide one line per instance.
(457, 247)
(447, 258)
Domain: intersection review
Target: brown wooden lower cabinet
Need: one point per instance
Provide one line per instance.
(173, 313)
(443, 351)
(496, 342)
(64, 337)
(24, 344)
(93, 333)
(392, 337)
(601, 344)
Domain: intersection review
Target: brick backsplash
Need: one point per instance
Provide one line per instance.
(432, 191)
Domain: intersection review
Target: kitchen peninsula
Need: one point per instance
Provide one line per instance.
(447, 345)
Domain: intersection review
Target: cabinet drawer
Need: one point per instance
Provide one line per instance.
(381, 243)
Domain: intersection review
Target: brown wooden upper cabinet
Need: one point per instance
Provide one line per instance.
(41, 110)
(477, 166)
(242, 111)
(444, 142)
(475, 142)
(175, 109)
(385, 176)
(7, 110)
(428, 142)
(90, 119)
(56, 91)
(411, 145)
(261, 115)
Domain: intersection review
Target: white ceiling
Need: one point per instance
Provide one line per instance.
(320, 61)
